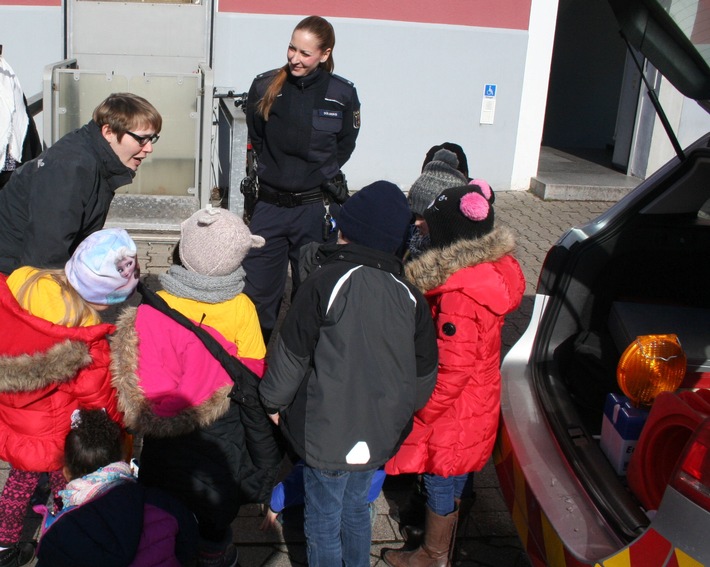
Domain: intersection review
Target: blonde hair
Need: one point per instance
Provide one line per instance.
(323, 30)
(77, 312)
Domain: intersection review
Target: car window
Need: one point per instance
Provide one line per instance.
(693, 20)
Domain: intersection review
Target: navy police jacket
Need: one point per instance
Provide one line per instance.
(310, 133)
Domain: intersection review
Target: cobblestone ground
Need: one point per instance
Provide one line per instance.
(487, 537)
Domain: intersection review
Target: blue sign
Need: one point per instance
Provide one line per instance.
(489, 90)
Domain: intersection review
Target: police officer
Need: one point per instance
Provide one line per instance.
(303, 122)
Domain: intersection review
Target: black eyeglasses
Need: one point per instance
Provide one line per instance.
(143, 140)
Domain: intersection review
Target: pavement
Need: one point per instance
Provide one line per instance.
(487, 537)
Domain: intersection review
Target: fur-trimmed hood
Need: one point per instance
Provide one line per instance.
(35, 353)
(158, 396)
(29, 372)
(46, 372)
(436, 265)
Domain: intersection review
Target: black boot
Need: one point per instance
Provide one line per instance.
(411, 517)
(18, 554)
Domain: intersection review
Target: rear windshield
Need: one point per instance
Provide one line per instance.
(693, 19)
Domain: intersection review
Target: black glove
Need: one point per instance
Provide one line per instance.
(338, 188)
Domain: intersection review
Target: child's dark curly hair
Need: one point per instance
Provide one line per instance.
(95, 440)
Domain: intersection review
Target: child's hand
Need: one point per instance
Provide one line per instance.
(270, 520)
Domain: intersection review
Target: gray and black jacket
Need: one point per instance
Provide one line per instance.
(355, 358)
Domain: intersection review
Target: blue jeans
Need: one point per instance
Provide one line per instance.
(441, 491)
(336, 517)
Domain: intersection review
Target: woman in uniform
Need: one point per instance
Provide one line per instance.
(303, 123)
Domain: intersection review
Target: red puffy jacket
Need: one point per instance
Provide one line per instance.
(46, 372)
(470, 286)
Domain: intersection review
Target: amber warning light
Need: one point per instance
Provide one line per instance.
(650, 365)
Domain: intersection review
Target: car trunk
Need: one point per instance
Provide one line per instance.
(643, 259)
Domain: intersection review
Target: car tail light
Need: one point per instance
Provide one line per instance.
(650, 365)
(692, 476)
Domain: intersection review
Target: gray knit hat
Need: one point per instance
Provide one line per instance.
(439, 174)
(214, 241)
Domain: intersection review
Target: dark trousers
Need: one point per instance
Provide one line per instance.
(285, 230)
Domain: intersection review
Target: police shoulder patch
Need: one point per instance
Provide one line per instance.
(267, 74)
(356, 119)
(342, 79)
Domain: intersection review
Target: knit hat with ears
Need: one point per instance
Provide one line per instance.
(461, 213)
(104, 269)
(377, 216)
(439, 174)
(214, 241)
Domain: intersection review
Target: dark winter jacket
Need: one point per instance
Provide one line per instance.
(128, 526)
(196, 439)
(470, 286)
(54, 201)
(355, 357)
(310, 133)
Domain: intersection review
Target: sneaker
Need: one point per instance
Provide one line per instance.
(225, 558)
(231, 556)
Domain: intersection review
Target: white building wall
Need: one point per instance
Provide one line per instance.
(32, 37)
(534, 95)
(419, 84)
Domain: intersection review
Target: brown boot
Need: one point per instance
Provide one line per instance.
(437, 548)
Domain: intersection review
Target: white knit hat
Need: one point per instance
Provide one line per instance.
(104, 268)
(214, 242)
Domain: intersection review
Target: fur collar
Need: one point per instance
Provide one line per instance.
(138, 413)
(30, 372)
(437, 265)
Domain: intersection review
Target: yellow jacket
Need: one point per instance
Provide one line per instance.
(235, 319)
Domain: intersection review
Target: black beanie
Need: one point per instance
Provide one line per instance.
(377, 216)
(456, 149)
(461, 213)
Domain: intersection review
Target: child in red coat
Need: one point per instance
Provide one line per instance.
(54, 357)
(471, 281)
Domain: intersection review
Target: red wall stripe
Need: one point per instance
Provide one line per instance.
(506, 14)
(30, 2)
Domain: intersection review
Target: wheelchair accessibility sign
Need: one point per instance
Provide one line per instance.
(488, 104)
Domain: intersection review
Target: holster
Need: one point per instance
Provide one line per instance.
(249, 187)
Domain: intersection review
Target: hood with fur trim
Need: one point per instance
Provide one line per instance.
(433, 267)
(35, 353)
(46, 372)
(163, 395)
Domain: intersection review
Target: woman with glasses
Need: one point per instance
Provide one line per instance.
(303, 122)
(54, 201)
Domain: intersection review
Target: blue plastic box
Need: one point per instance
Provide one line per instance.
(621, 429)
